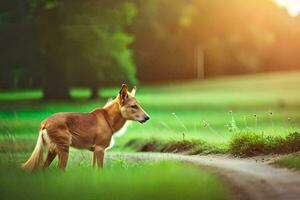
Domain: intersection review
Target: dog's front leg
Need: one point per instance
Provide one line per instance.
(99, 156)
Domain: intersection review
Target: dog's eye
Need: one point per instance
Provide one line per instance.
(134, 106)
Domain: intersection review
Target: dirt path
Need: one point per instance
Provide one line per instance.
(247, 178)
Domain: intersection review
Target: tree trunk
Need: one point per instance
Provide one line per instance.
(94, 94)
(52, 42)
(55, 87)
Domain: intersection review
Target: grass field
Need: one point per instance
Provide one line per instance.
(211, 110)
(203, 115)
(119, 180)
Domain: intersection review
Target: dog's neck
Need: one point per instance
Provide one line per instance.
(114, 117)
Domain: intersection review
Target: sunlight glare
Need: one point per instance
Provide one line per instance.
(292, 6)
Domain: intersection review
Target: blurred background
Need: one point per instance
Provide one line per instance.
(55, 45)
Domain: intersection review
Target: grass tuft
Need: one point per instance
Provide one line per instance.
(246, 144)
(292, 162)
(243, 144)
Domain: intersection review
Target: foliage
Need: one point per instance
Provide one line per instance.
(66, 43)
(98, 42)
(235, 37)
(86, 43)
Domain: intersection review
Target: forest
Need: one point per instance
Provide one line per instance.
(55, 45)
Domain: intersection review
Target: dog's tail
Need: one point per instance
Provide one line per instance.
(36, 157)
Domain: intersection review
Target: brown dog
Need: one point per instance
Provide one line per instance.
(92, 131)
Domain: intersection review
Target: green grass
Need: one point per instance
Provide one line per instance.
(242, 144)
(118, 180)
(292, 162)
(252, 144)
(191, 117)
(194, 103)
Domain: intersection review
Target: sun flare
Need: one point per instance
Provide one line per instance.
(292, 6)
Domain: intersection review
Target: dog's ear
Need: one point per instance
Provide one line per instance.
(133, 91)
(123, 93)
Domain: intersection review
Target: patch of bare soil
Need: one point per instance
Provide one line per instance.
(248, 178)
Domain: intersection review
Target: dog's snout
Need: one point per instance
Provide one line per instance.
(145, 119)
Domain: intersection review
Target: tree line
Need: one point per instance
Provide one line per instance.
(220, 36)
(58, 44)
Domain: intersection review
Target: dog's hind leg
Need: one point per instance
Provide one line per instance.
(63, 156)
(61, 138)
(50, 157)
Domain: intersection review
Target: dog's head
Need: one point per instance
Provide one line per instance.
(129, 106)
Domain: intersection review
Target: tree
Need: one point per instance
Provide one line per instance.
(233, 36)
(49, 21)
(162, 48)
(18, 41)
(75, 42)
(99, 45)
